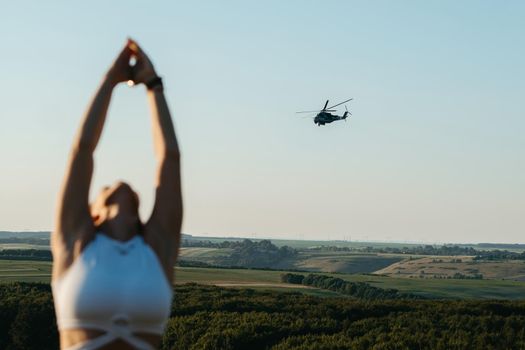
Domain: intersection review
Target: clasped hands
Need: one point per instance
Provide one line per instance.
(123, 70)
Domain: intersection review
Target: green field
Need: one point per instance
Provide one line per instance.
(309, 260)
(344, 262)
(36, 271)
(436, 288)
(25, 271)
(206, 255)
(22, 246)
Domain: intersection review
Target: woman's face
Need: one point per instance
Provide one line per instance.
(116, 200)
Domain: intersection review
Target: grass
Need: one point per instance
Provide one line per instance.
(206, 255)
(344, 262)
(211, 275)
(26, 271)
(447, 288)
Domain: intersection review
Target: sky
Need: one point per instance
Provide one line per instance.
(434, 150)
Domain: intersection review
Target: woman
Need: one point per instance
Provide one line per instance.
(112, 274)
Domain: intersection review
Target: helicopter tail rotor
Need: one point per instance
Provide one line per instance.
(346, 114)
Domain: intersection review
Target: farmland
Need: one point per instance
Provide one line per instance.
(448, 266)
(214, 261)
(36, 271)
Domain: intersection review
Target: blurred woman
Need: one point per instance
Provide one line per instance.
(112, 274)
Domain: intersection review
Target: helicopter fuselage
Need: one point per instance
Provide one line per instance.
(324, 118)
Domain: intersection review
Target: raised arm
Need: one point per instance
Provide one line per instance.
(73, 219)
(163, 227)
(166, 217)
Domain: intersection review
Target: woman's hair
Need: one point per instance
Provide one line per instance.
(140, 225)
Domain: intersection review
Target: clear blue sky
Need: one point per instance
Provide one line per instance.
(434, 151)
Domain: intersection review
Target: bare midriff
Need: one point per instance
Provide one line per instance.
(71, 337)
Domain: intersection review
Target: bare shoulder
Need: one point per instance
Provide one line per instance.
(67, 246)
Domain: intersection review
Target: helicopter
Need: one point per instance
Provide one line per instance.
(324, 116)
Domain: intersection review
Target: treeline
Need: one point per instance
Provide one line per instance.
(25, 234)
(360, 290)
(413, 250)
(498, 255)
(208, 317)
(444, 250)
(244, 254)
(460, 276)
(264, 244)
(26, 254)
(502, 245)
(29, 240)
(247, 253)
(257, 254)
(193, 243)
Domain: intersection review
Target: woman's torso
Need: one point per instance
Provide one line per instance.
(113, 287)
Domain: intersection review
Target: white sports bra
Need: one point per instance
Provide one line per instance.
(116, 287)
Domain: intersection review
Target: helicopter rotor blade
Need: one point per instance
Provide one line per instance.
(340, 103)
(323, 110)
(326, 104)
